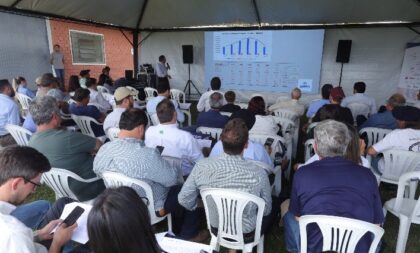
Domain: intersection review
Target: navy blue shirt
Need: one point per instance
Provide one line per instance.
(90, 111)
(212, 118)
(381, 120)
(338, 187)
(230, 108)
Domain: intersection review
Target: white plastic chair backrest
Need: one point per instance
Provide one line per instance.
(112, 133)
(339, 234)
(226, 113)
(23, 100)
(284, 113)
(71, 101)
(84, 123)
(398, 162)
(178, 95)
(405, 180)
(358, 109)
(374, 134)
(135, 97)
(230, 206)
(275, 147)
(281, 99)
(311, 126)
(150, 92)
(214, 132)
(20, 134)
(309, 149)
(287, 126)
(57, 179)
(103, 89)
(243, 105)
(114, 179)
(154, 119)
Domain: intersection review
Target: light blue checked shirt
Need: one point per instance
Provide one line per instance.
(131, 158)
(229, 172)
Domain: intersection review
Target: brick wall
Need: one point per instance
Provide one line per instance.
(117, 48)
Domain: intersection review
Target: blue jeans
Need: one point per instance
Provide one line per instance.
(32, 214)
(59, 73)
(291, 233)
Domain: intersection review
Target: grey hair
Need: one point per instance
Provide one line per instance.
(331, 138)
(216, 100)
(43, 108)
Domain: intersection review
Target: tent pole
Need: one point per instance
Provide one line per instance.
(341, 74)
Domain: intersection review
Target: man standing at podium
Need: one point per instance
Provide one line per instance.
(162, 67)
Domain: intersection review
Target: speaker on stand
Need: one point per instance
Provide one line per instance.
(343, 55)
(187, 57)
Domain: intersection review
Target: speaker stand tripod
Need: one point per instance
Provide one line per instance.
(189, 83)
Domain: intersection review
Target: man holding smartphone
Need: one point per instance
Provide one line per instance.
(21, 169)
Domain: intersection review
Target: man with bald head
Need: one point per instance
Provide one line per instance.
(292, 104)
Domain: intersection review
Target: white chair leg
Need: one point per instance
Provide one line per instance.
(260, 246)
(213, 243)
(169, 217)
(403, 234)
(413, 187)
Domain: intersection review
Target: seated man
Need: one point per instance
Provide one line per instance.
(253, 151)
(177, 143)
(9, 112)
(163, 90)
(65, 149)
(292, 104)
(360, 98)
(124, 100)
(332, 186)
(21, 169)
(385, 119)
(407, 137)
(230, 171)
(344, 114)
(81, 108)
(96, 97)
(230, 106)
(212, 117)
(129, 156)
(315, 105)
(203, 103)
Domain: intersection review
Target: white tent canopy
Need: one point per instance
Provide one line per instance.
(205, 14)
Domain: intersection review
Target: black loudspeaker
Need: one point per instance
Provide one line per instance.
(343, 51)
(187, 54)
(129, 74)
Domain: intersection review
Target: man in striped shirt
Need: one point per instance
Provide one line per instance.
(230, 171)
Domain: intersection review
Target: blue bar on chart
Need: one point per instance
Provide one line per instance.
(231, 49)
(239, 49)
(264, 50)
(224, 51)
(256, 47)
(247, 46)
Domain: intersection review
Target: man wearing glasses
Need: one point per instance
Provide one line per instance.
(21, 169)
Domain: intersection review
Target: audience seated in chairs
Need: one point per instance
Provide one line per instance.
(360, 97)
(119, 222)
(343, 114)
(213, 118)
(203, 103)
(9, 112)
(96, 96)
(334, 186)
(81, 108)
(292, 104)
(384, 119)
(21, 87)
(230, 106)
(129, 156)
(407, 137)
(65, 149)
(315, 105)
(124, 100)
(264, 124)
(231, 171)
(163, 90)
(176, 142)
(21, 169)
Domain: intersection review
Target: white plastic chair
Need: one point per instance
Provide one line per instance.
(112, 133)
(58, 180)
(84, 123)
(226, 113)
(374, 134)
(309, 149)
(359, 109)
(311, 126)
(20, 134)
(230, 208)
(114, 179)
(287, 127)
(284, 113)
(339, 234)
(150, 93)
(24, 102)
(214, 132)
(243, 105)
(103, 89)
(179, 96)
(406, 209)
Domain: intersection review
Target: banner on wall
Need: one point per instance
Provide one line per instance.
(409, 84)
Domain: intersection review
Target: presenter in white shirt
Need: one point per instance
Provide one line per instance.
(162, 68)
(204, 104)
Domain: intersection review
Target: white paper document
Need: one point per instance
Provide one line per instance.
(80, 234)
(173, 245)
